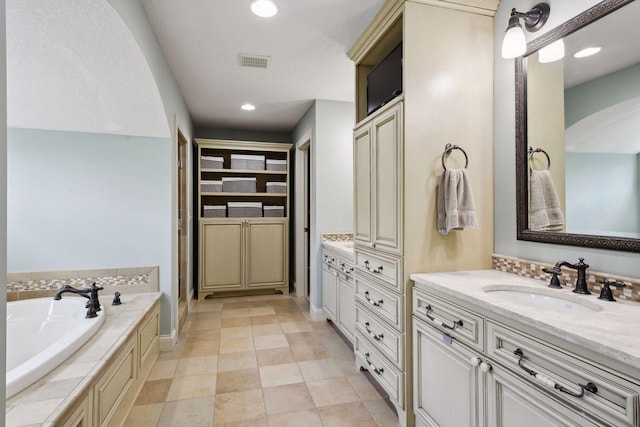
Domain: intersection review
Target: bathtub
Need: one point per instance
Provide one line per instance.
(43, 333)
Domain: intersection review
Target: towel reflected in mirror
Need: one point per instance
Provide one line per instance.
(545, 213)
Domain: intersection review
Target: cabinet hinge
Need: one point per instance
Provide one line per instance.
(180, 164)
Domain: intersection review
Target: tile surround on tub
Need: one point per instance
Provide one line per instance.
(337, 237)
(533, 269)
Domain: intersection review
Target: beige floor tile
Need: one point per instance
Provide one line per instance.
(332, 392)
(382, 412)
(243, 405)
(291, 316)
(363, 387)
(200, 348)
(192, 386)
(308, 338)
(234, 345)
(267, 329)
(270, 341)
(204, 335)
(308, 418)
(274, 356)
(275, 375)
(205, 324)
(315, 370)
(232, 381)
(237, 361)
(196, 412)
(315, 351)
(287, 398)
(144, 415)
(256, 422)
(261, 311)
(346, 415)
(238, 312)
(296, 327)
(264, 320)
(196, 366)
(176, 353)
(236, 332)
(320, 326)
(154, 392)
(208, 305)
(348, 366)
(236, 321)
(163, 369)
(208, 315)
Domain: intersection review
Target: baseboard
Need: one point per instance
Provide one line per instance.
(168, 342)
(317, 314)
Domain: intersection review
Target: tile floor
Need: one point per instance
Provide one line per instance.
(258, 361)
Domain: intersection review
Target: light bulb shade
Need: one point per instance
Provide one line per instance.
(552, 52)
(514, 43)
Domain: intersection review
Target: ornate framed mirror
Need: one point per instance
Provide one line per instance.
(585, 133)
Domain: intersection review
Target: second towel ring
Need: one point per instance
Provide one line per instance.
(532, 151)
(448, 149)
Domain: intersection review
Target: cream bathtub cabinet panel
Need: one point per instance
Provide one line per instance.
(449, 384)
(82, 416)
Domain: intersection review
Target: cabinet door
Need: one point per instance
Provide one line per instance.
(267, 253)
(448, 385)
(346, 306)
(330, 292)
(222, 256)
(387, 184)
(362, 184)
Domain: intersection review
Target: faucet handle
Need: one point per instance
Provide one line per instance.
(555, 282)
(581, 264)
(606, 294)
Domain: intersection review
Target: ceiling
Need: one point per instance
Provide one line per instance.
(306, 42)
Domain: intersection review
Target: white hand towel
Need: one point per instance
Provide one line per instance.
(456, 209)
(544, 205)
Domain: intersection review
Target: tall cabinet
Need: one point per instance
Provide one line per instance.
(243, 205)
(447, 97)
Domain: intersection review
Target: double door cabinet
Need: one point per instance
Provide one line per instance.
(472, 370)
(338, 291)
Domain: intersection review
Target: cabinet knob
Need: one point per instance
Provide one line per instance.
(485, 367)
(475, 360)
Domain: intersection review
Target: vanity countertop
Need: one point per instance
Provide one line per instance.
(611, 331)
(342, 247)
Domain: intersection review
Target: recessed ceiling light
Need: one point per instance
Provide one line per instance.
(264, 8)
(587, 52)
(248, 107)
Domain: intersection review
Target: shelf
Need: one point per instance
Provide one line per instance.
(243, 171)
(223, 194)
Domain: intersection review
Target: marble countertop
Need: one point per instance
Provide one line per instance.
(342, 247)
(40, 403)
(610, 331)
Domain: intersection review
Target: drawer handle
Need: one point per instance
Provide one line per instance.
(590, 387)
(375, 270)
(371, 334)
(372, 302)
(378, 371)
(440, 322)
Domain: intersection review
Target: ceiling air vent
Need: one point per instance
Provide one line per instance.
(254, 61)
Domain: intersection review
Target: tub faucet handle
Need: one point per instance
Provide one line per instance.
(606, 294)
(116, 299)
(555, 282)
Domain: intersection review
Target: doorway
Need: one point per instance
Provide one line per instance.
(303, 216)
(183, 229)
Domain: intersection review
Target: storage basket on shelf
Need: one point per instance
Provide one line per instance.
(210, 186)
(273, 211)
(276, 187)
(247, 161)
(276, 165)
(239, 185)
(211, 162)
(214, 211)
(244, 209)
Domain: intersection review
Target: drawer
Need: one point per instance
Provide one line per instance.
(385, 304)
(386, 269)
(329, 258)
(346, 267)
(461, 324)
(386, 339)
(615, 402)
(387, 375)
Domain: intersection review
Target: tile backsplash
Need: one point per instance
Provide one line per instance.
(337, 237)
(533, 269)
(46, 283)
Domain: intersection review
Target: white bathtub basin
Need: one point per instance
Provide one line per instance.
(43, 333)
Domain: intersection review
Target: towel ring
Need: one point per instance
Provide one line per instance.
(532, 151)
(448, 149)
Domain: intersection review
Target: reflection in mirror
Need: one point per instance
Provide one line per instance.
(578, 133)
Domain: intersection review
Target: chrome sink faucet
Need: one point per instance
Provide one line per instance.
(91, 293)
(581, 268)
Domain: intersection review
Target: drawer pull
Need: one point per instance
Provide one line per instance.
(378, 371)
(375, 270)
(543, 379)
(372, 302)
(440, 322)
(371, 334)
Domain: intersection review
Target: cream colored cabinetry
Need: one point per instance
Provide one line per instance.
(447, 97)
(246, 247)
(338, 291)
(472, 370)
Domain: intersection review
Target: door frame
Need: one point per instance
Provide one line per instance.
(303, 151)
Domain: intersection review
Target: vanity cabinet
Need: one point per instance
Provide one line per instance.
(471, 369)
(338, 291)
(243, 247)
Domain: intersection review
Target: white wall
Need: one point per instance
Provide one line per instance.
(331, 123)
(82, 200)
(623, 263)
(3, 203)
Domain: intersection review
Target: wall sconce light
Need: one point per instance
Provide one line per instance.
(551, 52)
(514, 43)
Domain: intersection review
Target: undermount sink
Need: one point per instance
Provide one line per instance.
(544, 299)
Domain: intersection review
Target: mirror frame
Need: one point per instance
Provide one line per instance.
(522, 176)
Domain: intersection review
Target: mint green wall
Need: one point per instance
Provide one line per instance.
(242, 135)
